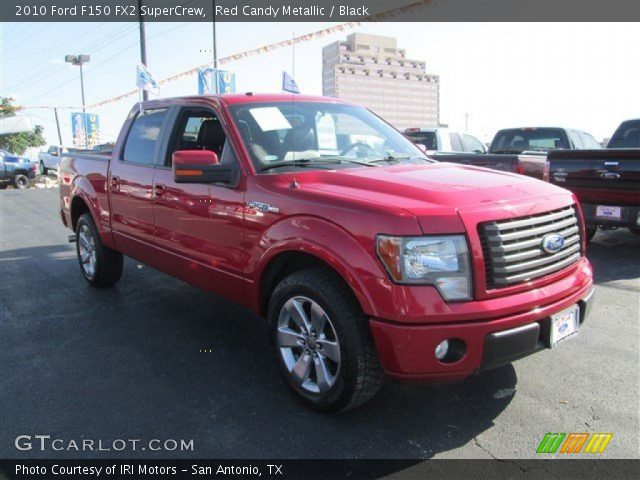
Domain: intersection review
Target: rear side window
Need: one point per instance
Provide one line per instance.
(472, 144)
(143, 137)
(589, 142)
(456, 144)
(626, 136)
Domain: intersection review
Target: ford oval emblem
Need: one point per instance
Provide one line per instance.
(563, 327)
(552, 243)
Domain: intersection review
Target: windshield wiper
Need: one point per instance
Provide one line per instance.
(310, 162)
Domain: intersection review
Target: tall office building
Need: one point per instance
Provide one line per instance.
(372, 71)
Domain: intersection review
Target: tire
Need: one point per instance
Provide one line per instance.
(591, 232)
(43, 169)
(3, 186)
(329, 379)
(20, 181)
(101, 267)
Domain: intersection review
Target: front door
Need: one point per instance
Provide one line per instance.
(201, 225)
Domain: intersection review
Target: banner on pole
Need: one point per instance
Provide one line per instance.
(209, 78)
(85, 129)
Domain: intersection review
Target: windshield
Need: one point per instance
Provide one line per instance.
(519, 140)
(319, 135)
(428, 139)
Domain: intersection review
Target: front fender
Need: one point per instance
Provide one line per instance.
(354, 261)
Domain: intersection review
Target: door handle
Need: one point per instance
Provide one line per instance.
(159, 189)
(115, 184)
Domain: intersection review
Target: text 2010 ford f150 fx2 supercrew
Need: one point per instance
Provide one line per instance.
(364, 256)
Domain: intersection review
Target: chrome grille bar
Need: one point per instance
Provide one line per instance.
(513, 250)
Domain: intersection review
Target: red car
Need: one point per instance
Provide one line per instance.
(365, 257)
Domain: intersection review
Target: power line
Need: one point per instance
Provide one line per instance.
(120, 52)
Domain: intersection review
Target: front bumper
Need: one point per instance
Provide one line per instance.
(406, 352)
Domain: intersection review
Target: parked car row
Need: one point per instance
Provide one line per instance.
(606, 181)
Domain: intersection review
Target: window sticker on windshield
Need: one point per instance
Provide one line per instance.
(326, 127)
(270, 118)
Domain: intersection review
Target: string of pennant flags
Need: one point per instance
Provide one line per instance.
(238, 56)
(263, 50)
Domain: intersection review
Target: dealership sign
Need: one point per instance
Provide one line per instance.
(209, 78)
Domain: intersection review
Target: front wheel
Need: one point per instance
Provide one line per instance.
(21, 181)
(100, 266)
(322, 342)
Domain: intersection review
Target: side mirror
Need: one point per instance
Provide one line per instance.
(201, 166)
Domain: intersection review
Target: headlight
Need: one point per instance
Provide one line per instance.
(441, 261)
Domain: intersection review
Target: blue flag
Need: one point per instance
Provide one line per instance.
(289, 84)
(145, 81)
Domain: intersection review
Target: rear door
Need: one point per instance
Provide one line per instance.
(130, 181)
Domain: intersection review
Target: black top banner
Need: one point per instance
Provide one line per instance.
(317, 10)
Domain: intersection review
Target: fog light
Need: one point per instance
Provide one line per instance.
(442, 349)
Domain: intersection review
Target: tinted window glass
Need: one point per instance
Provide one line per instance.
(626, 136)
(428, 139)
(142, 139)
(518, 140)
(472, 144)
(456, 144)
(198, 129)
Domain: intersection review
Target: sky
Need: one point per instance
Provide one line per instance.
(579, 75)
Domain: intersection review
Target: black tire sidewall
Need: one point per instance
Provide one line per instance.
(20, 182)
(86, 219)
(340, 393)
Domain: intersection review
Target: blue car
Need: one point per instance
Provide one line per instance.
(15, 170)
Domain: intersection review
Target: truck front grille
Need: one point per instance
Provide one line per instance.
(513, 250)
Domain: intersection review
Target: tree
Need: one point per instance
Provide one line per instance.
(18, 143)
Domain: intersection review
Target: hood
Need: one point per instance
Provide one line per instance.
(441, 189)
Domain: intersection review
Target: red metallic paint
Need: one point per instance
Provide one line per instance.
(208, 236)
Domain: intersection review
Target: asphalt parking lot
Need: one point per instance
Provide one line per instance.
(155, 358)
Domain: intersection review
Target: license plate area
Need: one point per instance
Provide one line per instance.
(609, 212)
(564, 325)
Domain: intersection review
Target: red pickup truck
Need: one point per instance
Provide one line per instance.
(364, 256)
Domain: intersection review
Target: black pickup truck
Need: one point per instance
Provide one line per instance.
(523, 150)
(607, 182)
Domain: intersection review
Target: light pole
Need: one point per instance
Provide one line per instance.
(79, 60)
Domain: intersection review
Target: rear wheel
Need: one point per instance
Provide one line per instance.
(20, 181)
(100, 266)
(322, 342)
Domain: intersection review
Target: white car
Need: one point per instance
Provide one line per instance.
(440, 139)
(49, 160)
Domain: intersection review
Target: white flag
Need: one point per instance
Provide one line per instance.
(145, 81)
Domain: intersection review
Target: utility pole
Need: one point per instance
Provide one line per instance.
(215, 50)
(143, 45)
(466, 122)
(79, 61)
(55, 112)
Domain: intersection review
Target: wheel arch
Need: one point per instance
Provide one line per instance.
(306, 243)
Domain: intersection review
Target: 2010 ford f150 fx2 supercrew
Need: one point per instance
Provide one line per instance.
(364, 256)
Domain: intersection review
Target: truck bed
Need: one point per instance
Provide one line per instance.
(600, 178)
(530, 165)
